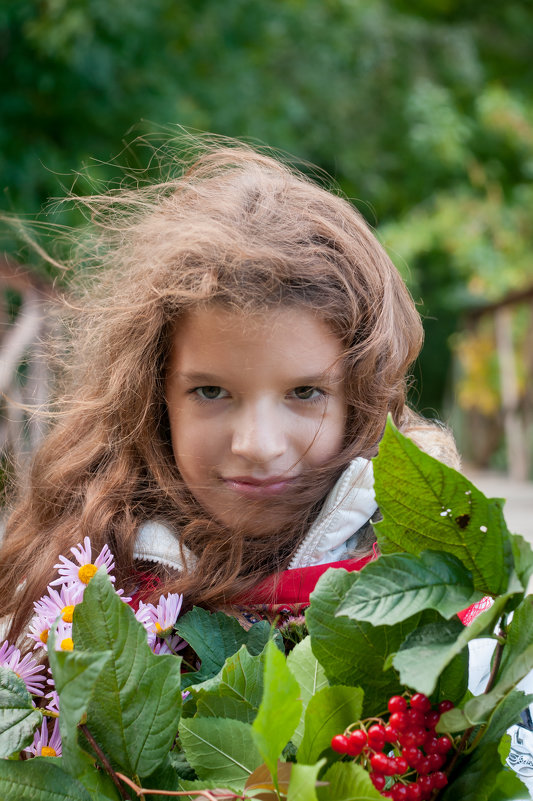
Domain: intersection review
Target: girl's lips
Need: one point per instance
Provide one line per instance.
(255, 488)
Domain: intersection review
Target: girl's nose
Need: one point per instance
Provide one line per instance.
(258, 434)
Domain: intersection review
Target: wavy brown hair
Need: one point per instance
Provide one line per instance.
(238, 228)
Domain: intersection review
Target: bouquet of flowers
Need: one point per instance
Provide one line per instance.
(366, 698)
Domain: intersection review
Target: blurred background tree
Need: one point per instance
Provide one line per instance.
(422, 111)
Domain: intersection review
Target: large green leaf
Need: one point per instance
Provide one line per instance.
(347, 781)
(523, 558)
(18, 716)
(134, 713)
(505, 714)
(40, 780)
(215, 704)
(329, 712)
(433, 507)
(311, 677)
(452, 683)
(397, 586)
(479, 709)
(214, 637)
(519, 632)
(353, 652)
(280, 709)
(478, 776)
(75, 674)
(302, 784)
(223, 750)
(508, 787)
(241, 678)
(435, 646)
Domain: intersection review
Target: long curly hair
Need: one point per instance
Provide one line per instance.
(235, 227)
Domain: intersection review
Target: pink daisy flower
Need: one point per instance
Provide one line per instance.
(60, 603)
(46, 745)
(63, 640)
(28, 669)
(145, 616)
(82, 572)
(53, 703)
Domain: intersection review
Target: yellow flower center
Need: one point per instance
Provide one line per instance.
(47, 750)
(67, 644)
(161, 631)
(68, 611)
(86, 572)
(43, 636)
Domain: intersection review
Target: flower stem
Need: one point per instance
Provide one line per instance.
(104, 760)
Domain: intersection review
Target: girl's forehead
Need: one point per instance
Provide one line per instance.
(214, 336)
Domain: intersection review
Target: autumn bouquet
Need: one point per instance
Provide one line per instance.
(366, 698)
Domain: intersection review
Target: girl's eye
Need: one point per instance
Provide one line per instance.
(307, 393)
(210, 393)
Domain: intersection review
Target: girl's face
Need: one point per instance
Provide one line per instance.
(253, 402)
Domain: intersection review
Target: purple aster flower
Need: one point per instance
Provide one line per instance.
(145, 615)
(44, 744)
(53, 703)
(5, 652)
(63, 640)
(170, 645)
(28, 669)
(165, 614)
(60, 603)
(82, 572)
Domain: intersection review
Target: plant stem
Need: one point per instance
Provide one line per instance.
(498, 652)
(49, 714)
(209, 794)
(104, 760)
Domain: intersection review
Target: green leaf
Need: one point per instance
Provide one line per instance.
(397, 586)
(241, 678)
(437, 644)
(258, 636)
(218, 749)
(433, 507)
(214, 637)
(18, 716)
(329, 712)
(433, 647)
(506, 714)
(519, 632)
(311, 677)
(479, 709)
(134, 712)
(353, 652)
(508, 787)
(280, 709)
(213, 704)
(75, 675)
(477, 776)
(523, 558)
(40, 780)
(348, 782)
(302, 784)
(452, 683)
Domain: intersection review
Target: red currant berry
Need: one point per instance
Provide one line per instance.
(412, 755)
(387, 794)
(426, 786)
(401, 764)
(378, 780)
(416, 717)
(399, 792)
(421, 702)
(438, 779)
(431, 719)
(445, 706)
(431, 744)
(399, 721)
(436, 761)
(340, 743)
(391, 734)
(424, 766)
(397, 704)
(414, 793)
(376, 737)
(356, 742)
(444, 744)
(380, 763)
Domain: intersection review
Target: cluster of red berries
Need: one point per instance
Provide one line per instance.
(404, 756)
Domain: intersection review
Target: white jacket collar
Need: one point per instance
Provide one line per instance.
(348, 506)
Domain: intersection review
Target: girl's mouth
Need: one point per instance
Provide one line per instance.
(258, 488)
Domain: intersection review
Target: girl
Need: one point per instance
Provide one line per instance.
(235, 359)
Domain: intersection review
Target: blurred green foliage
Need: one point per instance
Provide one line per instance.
(422, 110)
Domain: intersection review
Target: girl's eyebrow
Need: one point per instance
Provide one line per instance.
(325, 377)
